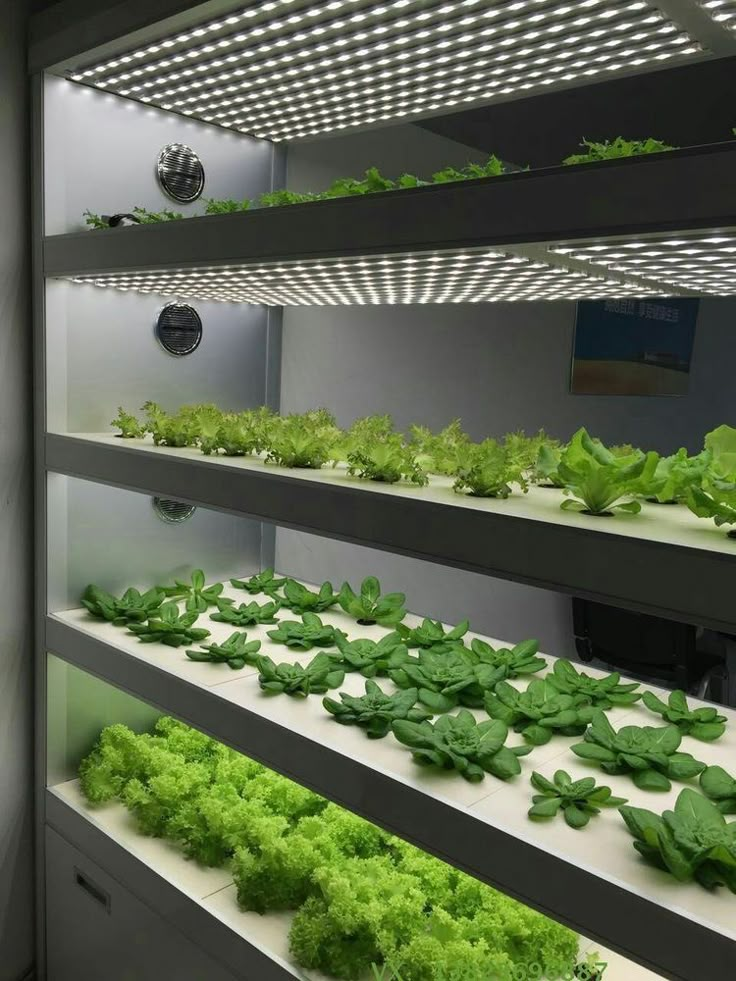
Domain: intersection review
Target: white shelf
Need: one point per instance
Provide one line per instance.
(591, 880)
(215, 893)
(646, 562)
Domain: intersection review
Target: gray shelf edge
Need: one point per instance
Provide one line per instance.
(634, 573)
(556, 204)
(162, 896)
(652, 935)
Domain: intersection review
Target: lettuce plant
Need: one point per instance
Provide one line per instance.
(538, 712)
(262, 582)
(311, 632)
(487, 469)
(715, 499)
(439, 452)
(506, 662)
(372, 658)
(170, 627)
(673, 477)
(132, 607)
(693, 842)
(362, 909)
(321, 674)
(546, 467)
(226, 207)
(720, 786)
(369, 606)
(247, 613)
(207, 421)
(236, 652)
(200, 597)
(444, 679)
(299, 599)
(701, 723)
(579, 800)
(367, 429)
(720, 450)
(523, 451)
(303, 440)
(245, 433)
(431, 633)
(408, 910)
(146, 217)
(167, 430)
(616, 149)
(375, 711)
(388, 460)
(458, 742)
(597, 479)
(648, 755)
(129, 425)
(493, 167)
(602, 693)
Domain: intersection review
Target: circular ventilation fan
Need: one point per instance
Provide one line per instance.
(172, 511)
(180, 173)
(179, 329)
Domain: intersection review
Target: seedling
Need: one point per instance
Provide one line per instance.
(701, 723)
(458, 742)
(236, 652)
(579, 800)
(693, 842)
(170, 628)
(375, 711)
(132, 607)
(370, 606)
(247, 613)
(539, 712)
(311, 632)
(648, 755)
(321, 674)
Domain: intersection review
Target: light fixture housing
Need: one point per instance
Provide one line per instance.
(292, 69)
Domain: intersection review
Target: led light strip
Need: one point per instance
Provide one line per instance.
(476, 72)
(289, 69)
(703, 262)
(474, 276)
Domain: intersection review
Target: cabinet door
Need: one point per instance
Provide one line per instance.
(96, 929)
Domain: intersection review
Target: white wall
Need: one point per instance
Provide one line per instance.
(499, 367)
(101, 151)
(16, 868)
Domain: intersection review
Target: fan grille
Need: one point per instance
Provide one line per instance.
(180, 173)
(179, 329)
(173, 512)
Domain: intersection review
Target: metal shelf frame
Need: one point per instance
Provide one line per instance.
(551, 205)
(554, 552)
(535, 208)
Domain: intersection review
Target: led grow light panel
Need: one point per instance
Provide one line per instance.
(722, 11)
(702, 262)
(287, 69)
(447, 277)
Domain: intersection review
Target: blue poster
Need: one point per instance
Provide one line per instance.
(633, 346)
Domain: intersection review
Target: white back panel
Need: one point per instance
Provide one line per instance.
(115, 539)
(101, 152)
(102, 353)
